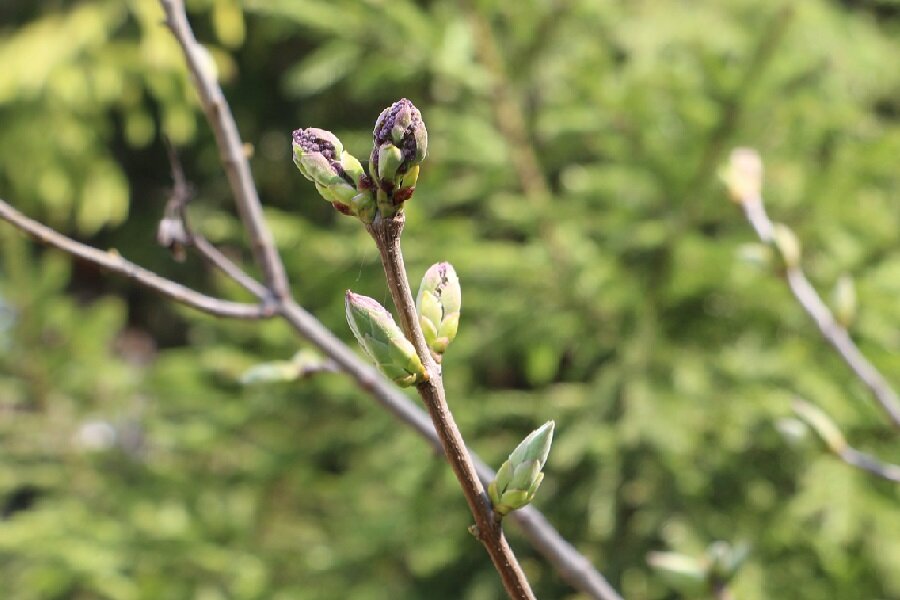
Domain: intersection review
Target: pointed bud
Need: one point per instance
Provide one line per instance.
(438, 305)
(338, 175)
(788, 245)
(743, 175)
(521, 474)
(400, 145)
(381, 338)
(822, 424)
(844, 301)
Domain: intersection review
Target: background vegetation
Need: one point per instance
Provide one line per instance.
(572, 183)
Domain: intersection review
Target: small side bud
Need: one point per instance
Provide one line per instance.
(788, 245)
(822, 424)
(381, 338)
(743, 175)
(400, 146)
(521, 474)
(438, 305)
(844, 301)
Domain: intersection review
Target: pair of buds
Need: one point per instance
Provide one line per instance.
(438, 307)
(400, 144)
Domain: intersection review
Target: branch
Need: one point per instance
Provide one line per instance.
(112, 261)
(176, 233)
(745, 180)
(834, 440)
(572, 566)
(231, 151)
(386, 233)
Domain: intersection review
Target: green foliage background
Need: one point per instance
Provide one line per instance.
(603, 289)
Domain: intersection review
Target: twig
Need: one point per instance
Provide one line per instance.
(869, 463)
(231, 151)
(112, 261)
(386, 233)
(819, 421)
(831, 330)
(218, 259)
(175, 231)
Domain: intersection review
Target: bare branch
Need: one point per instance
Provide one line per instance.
(745, 180)
(819, 421)
(175, 231)
(218, 259)
(231, 150)
(112, 261)
(869, 463)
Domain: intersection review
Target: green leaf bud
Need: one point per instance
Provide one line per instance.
(390, 159)
(438, 305)
(521, 474)
(381, 338)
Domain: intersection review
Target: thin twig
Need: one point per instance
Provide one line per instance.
(218, 259)
(231, 150)
(386, 233)
(112, 261)
(175, 231)
(833, 438)
(871, 464)
(815, 307)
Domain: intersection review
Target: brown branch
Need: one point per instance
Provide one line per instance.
(175, 231)
(834, 333)
(386, 233)
(112, 261)
(571, 565)
(231, 150)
